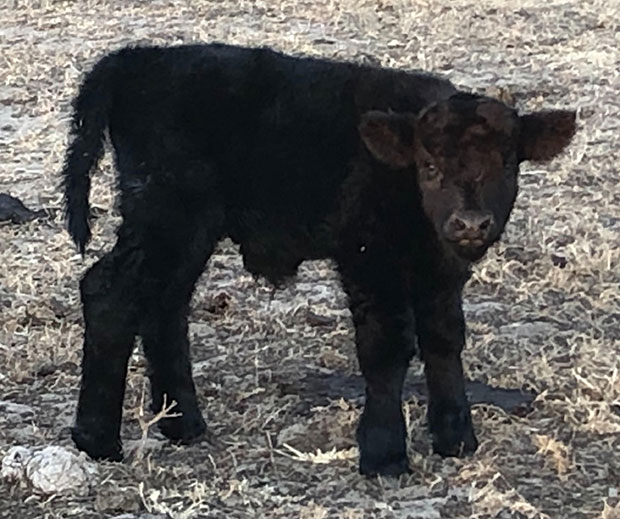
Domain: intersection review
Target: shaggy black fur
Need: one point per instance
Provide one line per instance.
(395, 175)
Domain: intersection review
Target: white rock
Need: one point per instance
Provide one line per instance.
(52, 470)
(14, 463)
(57, 470)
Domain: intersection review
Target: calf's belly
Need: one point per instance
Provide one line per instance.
(275, 253)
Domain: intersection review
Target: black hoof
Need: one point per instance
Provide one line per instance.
(452, 431)
(97, 446)
(382, 445)
(391, 468)
(459, 449)
(184, 429)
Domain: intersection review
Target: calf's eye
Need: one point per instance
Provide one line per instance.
(431, 170)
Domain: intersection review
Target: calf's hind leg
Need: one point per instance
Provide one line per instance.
(108, 296)
(174, 261)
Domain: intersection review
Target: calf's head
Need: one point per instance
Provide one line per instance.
(466, 152)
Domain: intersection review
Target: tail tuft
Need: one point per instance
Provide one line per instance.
(90, 114)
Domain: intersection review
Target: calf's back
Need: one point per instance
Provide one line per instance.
(271, 138)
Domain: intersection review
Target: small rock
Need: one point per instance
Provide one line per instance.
(14, 463)
(559, 261)
(56, 470)
(52, 470)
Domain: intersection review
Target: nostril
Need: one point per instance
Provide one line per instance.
(458, 224)
(486, 225)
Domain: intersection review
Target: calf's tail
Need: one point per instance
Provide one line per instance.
(88, 124)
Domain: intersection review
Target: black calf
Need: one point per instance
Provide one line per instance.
(397, 176)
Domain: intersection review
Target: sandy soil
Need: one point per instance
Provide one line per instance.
(543, 308)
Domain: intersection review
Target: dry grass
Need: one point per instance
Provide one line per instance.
(271, 454)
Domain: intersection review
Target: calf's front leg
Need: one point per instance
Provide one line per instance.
(385, 340)
(441, 337)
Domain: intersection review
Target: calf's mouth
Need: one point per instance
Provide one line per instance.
(470, 249)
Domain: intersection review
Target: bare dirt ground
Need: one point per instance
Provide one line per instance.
(543, 308)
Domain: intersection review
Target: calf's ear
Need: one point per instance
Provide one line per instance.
(545, 134)
(388, 137)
